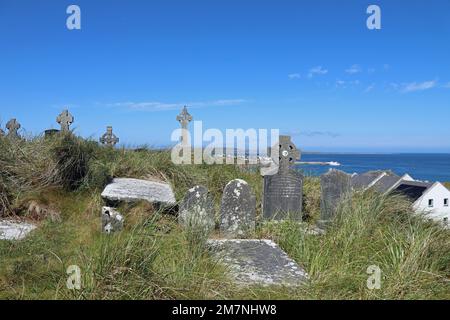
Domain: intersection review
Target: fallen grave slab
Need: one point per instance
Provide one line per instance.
(257, 262)
(11, 230)
(130, 190)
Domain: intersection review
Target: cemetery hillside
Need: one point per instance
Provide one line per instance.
(66, 189)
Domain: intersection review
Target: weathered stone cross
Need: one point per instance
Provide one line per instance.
(184, 118)
(288, 153)
(65, 119)
(12, 127)
(109, 138)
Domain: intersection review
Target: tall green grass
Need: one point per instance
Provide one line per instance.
(154, 258)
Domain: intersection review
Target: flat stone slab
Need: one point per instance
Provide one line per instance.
(130, 190)
(10, 230)
(257, 262)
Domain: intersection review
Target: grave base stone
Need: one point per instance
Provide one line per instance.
(112, 220)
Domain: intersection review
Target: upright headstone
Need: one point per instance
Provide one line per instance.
(65, 119)
(237, 213)
(109, 138)
(13, 126)
(283, 191)
(335, 185)
(50, 133)
(197, 210)
(184, 118)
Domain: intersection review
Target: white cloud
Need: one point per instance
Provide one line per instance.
(354, 69)
(162, 106)
(345, 84)
(293, 76)
(319, 70)
(418, 86)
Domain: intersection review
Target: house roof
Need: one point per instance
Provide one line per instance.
(363, 180)
(386, 183)
(412, 189)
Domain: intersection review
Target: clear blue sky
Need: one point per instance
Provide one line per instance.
(310, 68)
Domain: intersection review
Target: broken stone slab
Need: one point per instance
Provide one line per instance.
(257, 262)
(12, 230)
(112, 220)
(131, 190)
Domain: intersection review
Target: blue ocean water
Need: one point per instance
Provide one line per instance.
(431, 167)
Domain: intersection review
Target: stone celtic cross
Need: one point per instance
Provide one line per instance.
(65, 119)
(287, 153)
(184, 118)
(109, 138)
(13, 126)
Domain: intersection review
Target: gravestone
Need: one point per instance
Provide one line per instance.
(15, 230)
(65, 119)
(283, 191)
(197, 210)
(184, 118)
(109, 138)
(133, 190)
(257, 262)
(237, 213)
(13, 126)
(50, 133)
(112, 220)
(335, 185)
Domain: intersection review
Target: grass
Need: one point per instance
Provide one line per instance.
(154, 258)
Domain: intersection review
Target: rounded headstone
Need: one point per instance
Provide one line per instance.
(197, 209)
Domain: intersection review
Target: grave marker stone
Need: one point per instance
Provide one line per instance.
(335, 185)
(197, 210)
(13, 126)
(184, 118)
(109, 138)
(65, 119)
(283, 191)
(237, 215)
(112, 220)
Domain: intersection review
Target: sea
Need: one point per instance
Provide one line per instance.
(426, 167)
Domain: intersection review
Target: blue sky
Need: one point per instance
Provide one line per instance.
(309, 68)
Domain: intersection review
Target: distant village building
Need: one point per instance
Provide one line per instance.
(429, 198)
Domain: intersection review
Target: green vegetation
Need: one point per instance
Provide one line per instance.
(153, 258)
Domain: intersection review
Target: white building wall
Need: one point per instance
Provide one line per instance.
(439, 211)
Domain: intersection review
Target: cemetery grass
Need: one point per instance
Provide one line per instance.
(153, 258)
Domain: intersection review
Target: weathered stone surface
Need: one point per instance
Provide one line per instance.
(238, 210)
(11, 230)
(130, 190)
(283, 191)
(335, 185)
(283, 195)
(109, 138)
(257, 262)
(13, 126)
(197, 209)
(112, 220)
(65, 119)
(50, 133)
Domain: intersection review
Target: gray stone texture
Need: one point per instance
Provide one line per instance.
(197, 210)
(257, 262)
(238, 210)
(12, 230)
(13, 126)
(112, 220)
(335, 185)
(131, 190)
(65, 119)
(109, 138)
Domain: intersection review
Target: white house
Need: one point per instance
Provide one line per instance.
(432, 199)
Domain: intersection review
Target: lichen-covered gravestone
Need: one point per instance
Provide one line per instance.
(112, 220)
(65, 119)
(109, 138)
(237, 214)
(283, 191)
(197, 210)
(13, 126)
(335, 185)
(257, 262)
